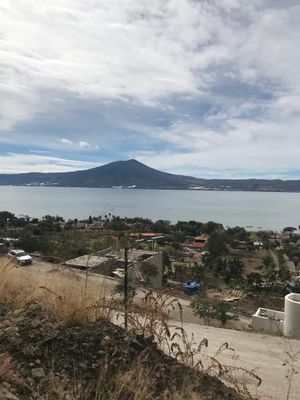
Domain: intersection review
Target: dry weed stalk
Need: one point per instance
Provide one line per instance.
(153, 319)
(6, 266)
(5, 366)
(15, 288)
(291, 356)
(77, 308)
(136, 383)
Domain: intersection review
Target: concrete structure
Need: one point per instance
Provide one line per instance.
(201, 239)
(147, 267)
(144, 266)
(196, 246)
(265, 320)
(292, 315)
(278, 322)
(101, 262)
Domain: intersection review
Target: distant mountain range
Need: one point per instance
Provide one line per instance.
(133, 174)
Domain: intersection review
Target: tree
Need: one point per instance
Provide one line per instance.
(216, 244)
(6, 218)
(206, 310)
(162, 226)
(189, 228)
(197, 272)
(238, 233)
(203, 309)
(211, 227)
(221, 312)
(254, 281)
(289, 229)
(235, 268)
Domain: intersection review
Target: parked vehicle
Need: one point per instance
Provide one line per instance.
(3, 248)
(20, 256)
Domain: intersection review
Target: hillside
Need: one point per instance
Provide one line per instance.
(45, 360)
(59, 341)
(132, 173)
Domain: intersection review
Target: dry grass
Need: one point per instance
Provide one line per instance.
(138, 384)
(15, 288)
(153, 319)
(134, 384)
(71, 298)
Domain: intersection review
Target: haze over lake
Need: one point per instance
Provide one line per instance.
(248, 209)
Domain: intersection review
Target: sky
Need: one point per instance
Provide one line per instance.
(208, 88)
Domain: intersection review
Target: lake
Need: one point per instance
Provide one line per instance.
(254, 210)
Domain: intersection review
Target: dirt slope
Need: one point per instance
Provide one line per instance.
(41, 359)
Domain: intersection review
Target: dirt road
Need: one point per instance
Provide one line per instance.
(263, 353)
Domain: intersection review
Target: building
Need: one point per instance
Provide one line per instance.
(266, 320)
(201, 239)
(191, 246)
(143, 235)
(285, 322)
(143, 266)
(147, 266)
(291, 326)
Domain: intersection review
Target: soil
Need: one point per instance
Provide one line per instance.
(249, 304)
(42, 359)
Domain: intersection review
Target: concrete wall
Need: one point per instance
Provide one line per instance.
(268, 321)
(157, 261)
(292, 315)
(136, 273)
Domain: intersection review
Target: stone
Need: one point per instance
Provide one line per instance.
(6, 323)
(35, 323)
(105, 341)
(38, 373)
(6, 385)
(19, 311)
(7, 395)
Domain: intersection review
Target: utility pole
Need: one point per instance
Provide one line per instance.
(126, 249)
(126, 287)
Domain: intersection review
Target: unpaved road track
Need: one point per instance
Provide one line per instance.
(263, 353)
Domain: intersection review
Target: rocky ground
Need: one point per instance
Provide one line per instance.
(43, 359)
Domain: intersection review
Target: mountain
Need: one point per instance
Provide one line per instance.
(132, 173)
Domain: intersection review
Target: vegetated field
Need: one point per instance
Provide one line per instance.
(252, 260)
(62, 290)
(249, 304)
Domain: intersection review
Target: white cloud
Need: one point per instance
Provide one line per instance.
(160, 54)
(66, 141)
(18, 163)
(83, 144)
(247, 147)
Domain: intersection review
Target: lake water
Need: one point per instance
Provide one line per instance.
(248, 209)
